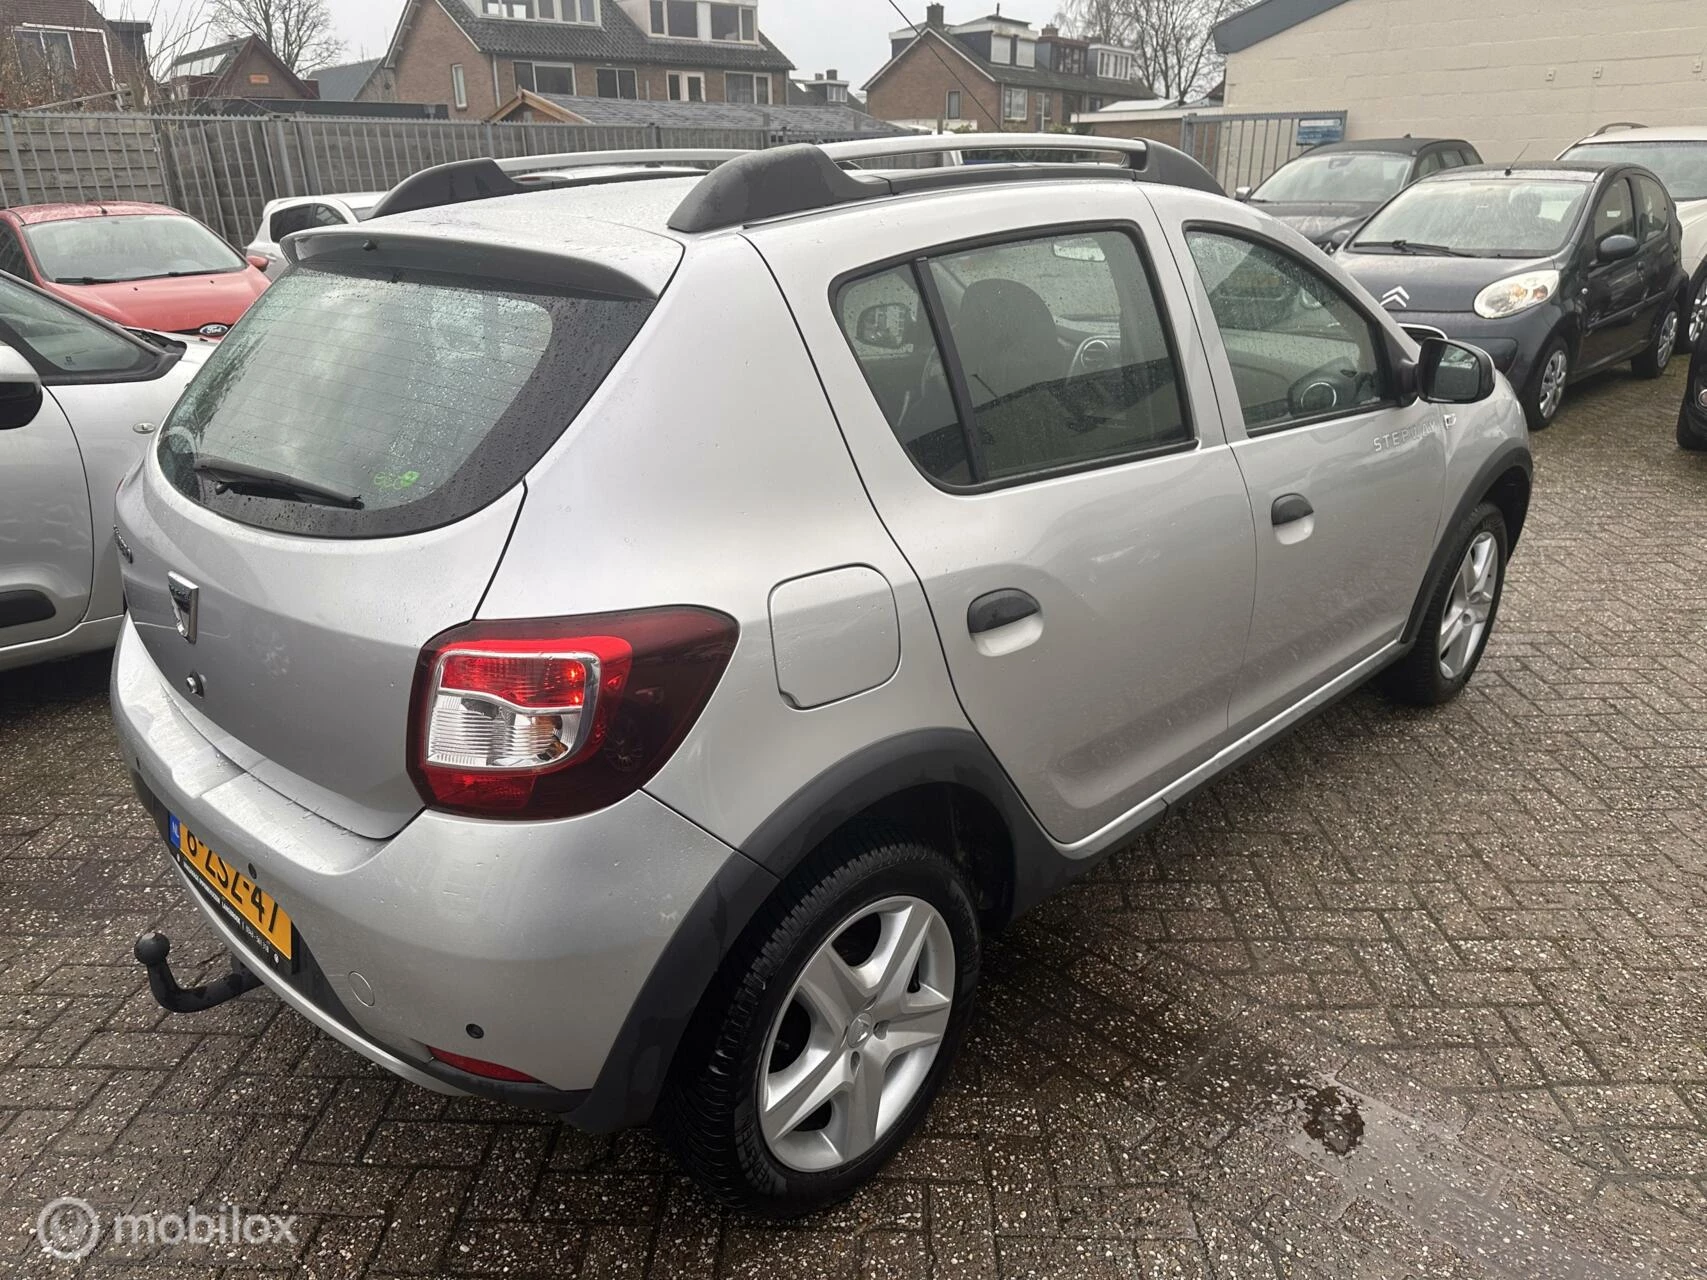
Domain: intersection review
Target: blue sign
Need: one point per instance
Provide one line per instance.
(1314, 132)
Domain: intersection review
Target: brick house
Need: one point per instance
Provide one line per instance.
(245, 67)
(476, 56)
(54, 51)
(996, 73)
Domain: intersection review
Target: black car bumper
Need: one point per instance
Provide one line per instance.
(1515, 343)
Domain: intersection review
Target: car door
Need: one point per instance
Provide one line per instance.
(1613, 292)
(1661, 240)
(1346, 485)
(1056, 475)
(46, 541)
(97, 382)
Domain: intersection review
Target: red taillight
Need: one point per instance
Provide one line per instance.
(553, 717)
(480, 1067)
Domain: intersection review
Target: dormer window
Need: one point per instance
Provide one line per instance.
(578, 11)
(681, 19)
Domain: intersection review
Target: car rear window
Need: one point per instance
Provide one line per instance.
(419, 396)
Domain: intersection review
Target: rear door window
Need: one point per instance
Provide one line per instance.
(12, 259)
(1033, 357)
(365, 404)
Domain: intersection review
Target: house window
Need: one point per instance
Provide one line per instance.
(953, 112)
(459, 86)
(732, 22)
(658, 27)
(749, 26)
(1025, 52)
(546, 77)
(615, 83)
(1002, 50)
(684, 18)
(586, 11)
(48, 51)
(686, 88)
(1014, 104)
(836, 93)
(740, 87)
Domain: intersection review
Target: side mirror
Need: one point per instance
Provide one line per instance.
(1242, 194)
(259, 261)
(888, 327)
(20, 390)
(1454, 373)
(1618, 248)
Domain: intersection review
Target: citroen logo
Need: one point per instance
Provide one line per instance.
(185, 604)
(1396, 298)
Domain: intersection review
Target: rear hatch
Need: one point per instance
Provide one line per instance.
(337, 486)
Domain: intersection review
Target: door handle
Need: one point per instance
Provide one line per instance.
(1290, 508)
(1000, 609)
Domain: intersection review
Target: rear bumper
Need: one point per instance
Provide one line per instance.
(542, 935)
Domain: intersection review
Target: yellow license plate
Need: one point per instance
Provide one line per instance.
(267, 922)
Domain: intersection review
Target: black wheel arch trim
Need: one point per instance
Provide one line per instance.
(637, 1068)
(1512, 457)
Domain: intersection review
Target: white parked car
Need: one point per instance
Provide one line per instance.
(78, 402)
(298, 213)
(1679, 158)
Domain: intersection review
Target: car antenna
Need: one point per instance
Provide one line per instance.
(1519, 160)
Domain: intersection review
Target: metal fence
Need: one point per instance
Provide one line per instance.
(224, 169)
(1242, 150)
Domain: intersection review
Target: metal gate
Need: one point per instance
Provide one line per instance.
(1242, 150)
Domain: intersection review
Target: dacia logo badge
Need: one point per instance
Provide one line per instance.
(1396, 298)
(214, 330)
(186, 604)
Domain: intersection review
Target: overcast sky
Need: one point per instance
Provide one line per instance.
(849, 35)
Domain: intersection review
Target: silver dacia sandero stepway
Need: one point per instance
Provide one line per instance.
(618, 642)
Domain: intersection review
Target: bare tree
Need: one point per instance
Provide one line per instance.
(301, 32)
(1173, 39)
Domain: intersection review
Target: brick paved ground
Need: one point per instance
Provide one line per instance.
(1414, 995)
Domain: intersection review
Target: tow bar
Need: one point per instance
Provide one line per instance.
(151, 952)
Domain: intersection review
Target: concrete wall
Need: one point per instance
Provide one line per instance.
(1506, 74)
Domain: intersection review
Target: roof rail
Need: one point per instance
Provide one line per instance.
(484, 178)
(801, 178)
(593, 159)
(1618, 124)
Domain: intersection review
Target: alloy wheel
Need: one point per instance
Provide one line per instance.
(1469, 605)
(1698, 315)
(854, 1042)
(1668, 340)
(1553, 376)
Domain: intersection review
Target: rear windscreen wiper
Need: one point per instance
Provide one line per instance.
(258, 482)
(1415, 247)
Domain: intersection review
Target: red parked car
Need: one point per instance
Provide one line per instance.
(143, 266)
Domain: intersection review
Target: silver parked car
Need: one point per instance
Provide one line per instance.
(78, 397)
(620, 648)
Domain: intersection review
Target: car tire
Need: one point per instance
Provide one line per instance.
(1545, 391)
(1464, 596)
(773, 1019)
(1695, 315)
(1657, 356)
(1689, 439)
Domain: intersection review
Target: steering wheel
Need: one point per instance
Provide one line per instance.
(1325, 389)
